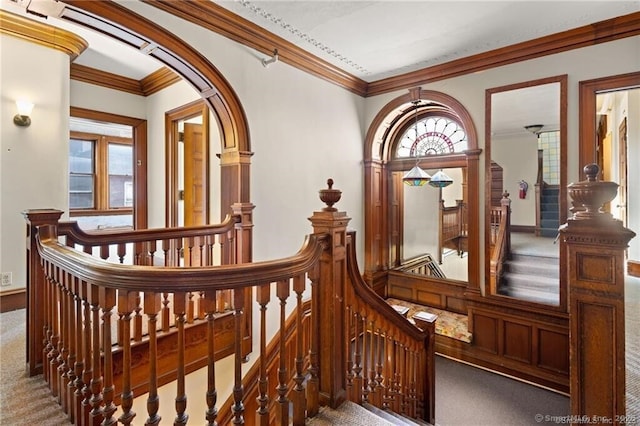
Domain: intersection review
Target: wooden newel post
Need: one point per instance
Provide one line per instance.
(595, 244)
(35, 283)
(332, 281)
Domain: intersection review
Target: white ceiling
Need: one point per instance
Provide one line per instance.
(378, 39)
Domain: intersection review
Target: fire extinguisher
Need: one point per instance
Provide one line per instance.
(523, 189)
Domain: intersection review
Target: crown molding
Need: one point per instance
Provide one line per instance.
(42, 34)
(209, 15)
(149, 85)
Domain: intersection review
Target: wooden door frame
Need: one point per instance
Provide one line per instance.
(139, 127)
(183, 112)
(589, 89)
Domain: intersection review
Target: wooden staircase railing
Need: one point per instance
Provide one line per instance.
(500, 240)
(306, 364)
(453, 226)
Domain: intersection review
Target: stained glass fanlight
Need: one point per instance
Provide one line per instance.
(416, 176)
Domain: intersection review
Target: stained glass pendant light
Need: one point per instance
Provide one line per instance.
(416, 176)
(440, 180)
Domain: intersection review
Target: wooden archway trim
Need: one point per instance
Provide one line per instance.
(130, 28)
(381, 209)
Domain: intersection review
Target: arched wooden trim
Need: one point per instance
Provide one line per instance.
(377, 157)
(130, 28)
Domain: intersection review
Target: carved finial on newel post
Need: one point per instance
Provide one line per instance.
(592, 254)
(330, 196)
(590, 195)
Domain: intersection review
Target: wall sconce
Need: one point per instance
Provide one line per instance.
(22, 118)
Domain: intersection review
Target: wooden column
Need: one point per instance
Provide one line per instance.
(331, 293)
(35, 283)
(595, 244)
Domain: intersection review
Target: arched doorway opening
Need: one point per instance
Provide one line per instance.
(385, 193)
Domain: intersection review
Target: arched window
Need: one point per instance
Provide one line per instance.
(432, 133)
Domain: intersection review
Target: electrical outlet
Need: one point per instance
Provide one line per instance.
(6, 279)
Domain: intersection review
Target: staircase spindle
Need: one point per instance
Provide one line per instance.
(126, 305)
(166, 323)
(282, 292)
(46, 329)
(357, 359)
(137, 320)
(263, 293)
(55, 339)
(238, 388)
(107, 301)
(313, 383)
(87, 372)
(378, 379)
(348, 344)
(78, 366)
(299, 402)
(96, 378)
(179, 311)
(152, 305)
(64, 336)
(208, 304)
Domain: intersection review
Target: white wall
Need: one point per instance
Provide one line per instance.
(33, 160)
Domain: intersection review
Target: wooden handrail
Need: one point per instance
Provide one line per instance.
(501, 243)
(84, 295)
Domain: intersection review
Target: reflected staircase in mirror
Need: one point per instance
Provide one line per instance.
(549, 211)
(532, 272)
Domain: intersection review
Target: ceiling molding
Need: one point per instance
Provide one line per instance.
(42, 34)
(588, 35)
(158, 80)
(149, 85)
(105, 79)
(215, 18)
(219, 20)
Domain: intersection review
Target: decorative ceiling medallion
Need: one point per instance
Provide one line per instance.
(301, 35)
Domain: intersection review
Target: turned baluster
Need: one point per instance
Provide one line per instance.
(166, 323)
(137, 319)
(104, 252)
(357, 359)
(377, 373)
(72, 292)
(63, 352)
(179, 311)
(107, 301)
(404, 389)
(387, 368)
(208, 304)
(87, 372)
(299, 402)
(366, 353)
(348, 336)
(313, 383)
(122, 252)
(263, 293)
(47, 329)
(191, 308)
(126, 305)
(152, 305)
(201, 302)
(78, 366)
(282, 413)
(55, 336)
(238, 388)
(96, 378)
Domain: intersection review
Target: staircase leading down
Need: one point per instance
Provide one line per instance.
(532, 271)
(352, 414)
(535, 278)
(549, 211)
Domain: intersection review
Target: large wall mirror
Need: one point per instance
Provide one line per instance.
(526, 159)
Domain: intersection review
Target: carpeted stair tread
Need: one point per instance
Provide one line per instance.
(348, 413)
(532, 278)
(540, 268)
(390, 416)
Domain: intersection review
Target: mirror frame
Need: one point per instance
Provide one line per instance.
(563, 201)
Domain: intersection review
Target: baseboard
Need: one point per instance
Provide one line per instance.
(633, 267)
(523, 228)
(11, 300)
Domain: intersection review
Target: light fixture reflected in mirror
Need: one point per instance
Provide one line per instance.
(22, 118)
(416, 176)
(440, 180)
(534, 128)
